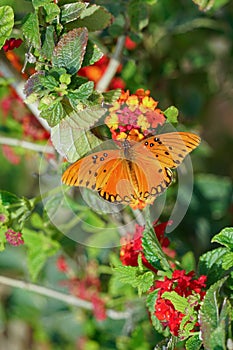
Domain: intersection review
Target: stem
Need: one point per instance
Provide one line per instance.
(44, 195)
(112, 66)
(69, 299)
(18, 84)
(27, 145)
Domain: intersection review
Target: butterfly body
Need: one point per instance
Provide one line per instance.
(137, 172)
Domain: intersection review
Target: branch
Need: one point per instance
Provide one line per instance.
(112, 66)
(69, 299)
(18, 84)
(28, 145)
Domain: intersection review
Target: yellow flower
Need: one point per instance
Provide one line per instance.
(142, 122)
(112, 121)
(149, 102)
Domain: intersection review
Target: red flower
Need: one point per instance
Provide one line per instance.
(131, 245)
(183, 284)
(10, 155)
(11, 44)
(130, 44)
(62, 265)
(14, 238)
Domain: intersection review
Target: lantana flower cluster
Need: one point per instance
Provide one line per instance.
(87, 288)
(186, 286)
(131, 245)
(14, 238)
(134, 116)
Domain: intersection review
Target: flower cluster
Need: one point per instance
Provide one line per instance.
(96, 71)
(131, 245)
(186, 286)
(14, 238)
(11, 44)
(87, 288)
(134, 116)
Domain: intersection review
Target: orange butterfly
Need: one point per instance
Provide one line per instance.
(137, 172)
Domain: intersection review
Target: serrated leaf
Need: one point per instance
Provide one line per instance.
(210, 264)
(71, 12)
(34, 84)
(193, 343)
(80, 94)
(225, 237)
(94, 18)
(6, 23)
(54, 113)
(8, 198)
(52, 11)
(37, 3)
(227, 261)
(72, 137)
(111, 96)
(70, 50)
(31, 31)
(209, 317)
(48, 44)
(150, 303)
(180, 303)
(152, 249)
(131, 275)
(138, 14)
(40, 247)
(92, 54)
(171, 114)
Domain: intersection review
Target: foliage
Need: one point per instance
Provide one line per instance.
(117, 264)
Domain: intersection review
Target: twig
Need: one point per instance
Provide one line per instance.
(25, 144)
(18, 84)
(112, 66)
(69, 299)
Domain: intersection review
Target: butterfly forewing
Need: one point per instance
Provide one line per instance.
(170, 149)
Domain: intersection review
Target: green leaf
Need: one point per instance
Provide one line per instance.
(6, 23)
(180, 303)
(150, 303)
(171, 113)
(8, 198)
(52, 11)
(94, 18)
(72, 137)
(225, 237)
(49, 82)
(152, 249)
(212, 329)
(193, 343)
(54, 113)
(34, 84)
(138, 14)
(227, 261)
(131, 275)
(70, 50)
(92, 54)
(71, 12)
(38, 3)
(111, 96)
(188, 262)
(48, 44)
(40, 248)
(81, 94)
(210, 264)
(206, 5)
(31, 31)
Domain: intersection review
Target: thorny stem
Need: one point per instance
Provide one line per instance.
(69, 299)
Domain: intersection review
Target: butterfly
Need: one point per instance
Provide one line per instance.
(135, 173)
